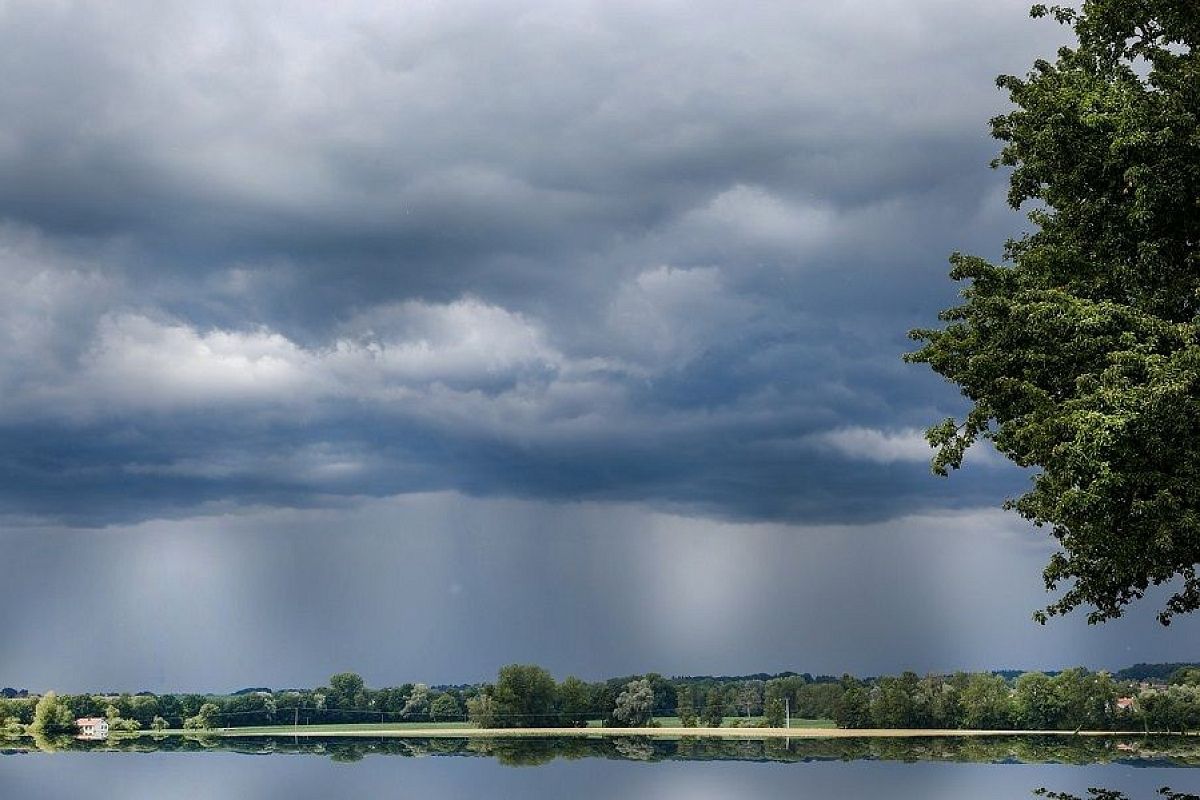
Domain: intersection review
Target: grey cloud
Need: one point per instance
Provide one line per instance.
(624, 251)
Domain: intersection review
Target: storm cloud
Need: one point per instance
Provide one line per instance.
(649, 252)
(388, 328)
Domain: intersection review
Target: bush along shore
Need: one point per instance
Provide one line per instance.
(527, 699)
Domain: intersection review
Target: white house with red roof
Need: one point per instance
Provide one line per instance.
(92, 727)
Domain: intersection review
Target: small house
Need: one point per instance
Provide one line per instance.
(92, 727)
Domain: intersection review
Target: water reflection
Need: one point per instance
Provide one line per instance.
(519, 752)
(208, 768)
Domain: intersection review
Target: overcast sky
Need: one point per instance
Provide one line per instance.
(418, 338)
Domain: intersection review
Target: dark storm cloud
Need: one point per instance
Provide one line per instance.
(648, 251)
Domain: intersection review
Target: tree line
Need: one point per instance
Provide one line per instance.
(528, 696)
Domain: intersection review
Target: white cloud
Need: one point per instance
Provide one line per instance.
(891, 446)
(664, 316)
(872, 444)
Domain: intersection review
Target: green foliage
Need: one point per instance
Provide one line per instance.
(524, 697)
(1188, 676)
(417, 705)
(715, 706)
(685, 706)
(775, 713)
(51, 717)
(574, 701)
(481, 711)
(853, 708)
(159, 724)
(985, 703)
(444, 707)
(205, 718)
(893, 702)
(634, 705)
(1081, 355)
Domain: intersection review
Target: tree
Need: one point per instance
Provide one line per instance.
(119, 724)
(481, 710)
(418, 702)
(1036, 703)
(985, 701)
(685, 706)
(524, 696)
(750, 696)
(774, 713)
(892, 703)
(853, 708)
(347, 692)
(444, 707)
(634, 705)
(205, 718)
(714, 707)
(574, 701)
(159, 724)
(1081, 355)
(51, 717)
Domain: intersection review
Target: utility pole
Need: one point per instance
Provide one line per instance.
(787, 705)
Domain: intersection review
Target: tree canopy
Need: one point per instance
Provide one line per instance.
(1080, 354)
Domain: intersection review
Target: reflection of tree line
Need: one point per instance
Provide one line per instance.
(1156, 751)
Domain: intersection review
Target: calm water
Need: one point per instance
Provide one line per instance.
(892, 769)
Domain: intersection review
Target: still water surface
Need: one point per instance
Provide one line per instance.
(593, 769)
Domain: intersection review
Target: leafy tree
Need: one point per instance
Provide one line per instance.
(417, 705)
(1081, 355)
(347, 692)
(1037, 705)
(774, 713)
(204, 719)
(574, 701)
(714, 707)
(685, 706)
(1188, 676)
(1084, 697)
(892, 702)
(985, 702)
(444, 707)
(524, 697)
(51, 717)
(159, 724)
(750, 696)
(481, 710)
(853, 708)
(634, 705)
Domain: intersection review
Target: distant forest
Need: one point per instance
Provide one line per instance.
(1160, 697)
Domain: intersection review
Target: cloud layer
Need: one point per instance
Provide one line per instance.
(638, 251)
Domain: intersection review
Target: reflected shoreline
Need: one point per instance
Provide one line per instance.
(527, 751)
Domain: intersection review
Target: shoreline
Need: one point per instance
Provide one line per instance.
(664, 733)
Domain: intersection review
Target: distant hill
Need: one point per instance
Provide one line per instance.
(1153, 672)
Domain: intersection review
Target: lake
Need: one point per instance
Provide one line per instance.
(929, 769)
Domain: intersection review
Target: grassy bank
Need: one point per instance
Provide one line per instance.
(461, 730)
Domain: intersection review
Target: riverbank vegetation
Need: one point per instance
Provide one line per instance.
(528, 696)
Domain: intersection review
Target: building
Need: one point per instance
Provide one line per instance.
(92, 727)
(1125, 704)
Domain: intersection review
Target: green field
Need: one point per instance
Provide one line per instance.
(353, 727)
(392, 727)
(674, 722)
